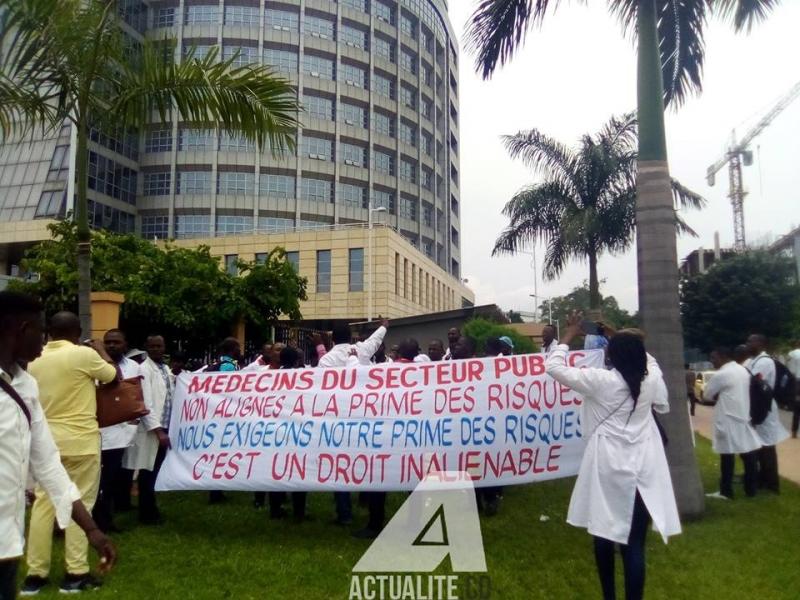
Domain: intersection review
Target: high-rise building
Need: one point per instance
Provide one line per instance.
(379, 83)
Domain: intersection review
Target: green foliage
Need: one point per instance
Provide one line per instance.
(481, 329)
(755, 292)
(179, 291)
(514, 316)
(578, 299)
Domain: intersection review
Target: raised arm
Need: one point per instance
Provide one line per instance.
(368, 348)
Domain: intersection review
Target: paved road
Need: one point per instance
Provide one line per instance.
(788, 451)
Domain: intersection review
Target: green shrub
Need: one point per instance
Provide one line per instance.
(480, 330)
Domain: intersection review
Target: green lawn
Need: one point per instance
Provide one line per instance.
(748, 548)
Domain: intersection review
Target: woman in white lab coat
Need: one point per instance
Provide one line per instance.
(624, 480)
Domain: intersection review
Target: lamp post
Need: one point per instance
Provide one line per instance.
(369, 258)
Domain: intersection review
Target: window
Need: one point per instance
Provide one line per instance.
(261, 257)
(383, 162)
(426, 39)
(359, 5)
(408, 60)
(383, 11)
(408, 96)
(353, 114)
(353, 75)
(232, 264)
(112, 179)
(427, 215)
(383, 47)
(102, 216)
(194, 182)
(318, 66)
(323, 271)
(51, 204)
(155, 227)
(408, 133)
(383, 198)
(319, 27)
(426, 108)
(317, 190)
(293, 258)
(235, 143)
(408, 208)
(283, 61)
(275, 224)
(427, 74)
(309, 225)
(245, 55)
(383, 123)
(236, 183)
(188, 226)
(356, 264)
(242, 15)
(426, 178)
(354, 36)
(426, 143)
(319, 148)
(352, 195)
(281, 19)
(427, 248)
(276, 186)
(59, 164)
(164, 17)
(198, 15)
(408, 171)
(157, 184)
(158, 140)
(319, 107)
(231, 224)
(383, 86)
(353, 155)
(198, 52)
(454, 236)
(408, 25)
(196, 139)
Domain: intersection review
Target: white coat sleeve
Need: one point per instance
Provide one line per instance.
(714, 385)
(660, 402)
(584, 381)
(152, 420)
(367, 349)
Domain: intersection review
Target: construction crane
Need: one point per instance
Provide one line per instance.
(738, 155)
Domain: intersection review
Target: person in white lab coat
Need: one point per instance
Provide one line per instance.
(346, 354)
(771, 431)
(793, 364)
(733, 433)
(624, 480)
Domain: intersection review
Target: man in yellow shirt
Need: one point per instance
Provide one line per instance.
(66, 374)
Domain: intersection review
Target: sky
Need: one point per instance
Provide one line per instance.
(568, 79)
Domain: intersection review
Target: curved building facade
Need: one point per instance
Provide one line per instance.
(379, 83)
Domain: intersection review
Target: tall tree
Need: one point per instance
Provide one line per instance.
(586, 204)
(755, 292)
(578, 300)
(70, 60)
(671, 52)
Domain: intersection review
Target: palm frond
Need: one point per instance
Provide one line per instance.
(249, 100)
(686, 198)
(544, 155)
(744, 13)
(535, 213)
(497, 29)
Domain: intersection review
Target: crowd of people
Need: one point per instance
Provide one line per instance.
(84, 475)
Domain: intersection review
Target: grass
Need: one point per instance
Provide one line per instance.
(748, 548)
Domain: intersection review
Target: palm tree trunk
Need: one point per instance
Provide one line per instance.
(594, 283)
(658, 264)
(84, 235)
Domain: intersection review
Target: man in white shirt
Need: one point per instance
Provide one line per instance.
(453, 335)
(793, 364)
(115, 482)
(27, 446)
(733, 434)
(549, 340)
(771, 431)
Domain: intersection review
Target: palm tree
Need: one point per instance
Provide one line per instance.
(587, 203)
(70, 60)
(670, 62)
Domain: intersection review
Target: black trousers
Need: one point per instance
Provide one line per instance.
(692, 403)
(148, 509)
(8, 578)
(796, 417)
(632, 556)
(276, 500)
(111, 495)
(768, 469)
(726, 466)
(376, 505)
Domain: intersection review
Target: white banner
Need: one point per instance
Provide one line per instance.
(383, 427)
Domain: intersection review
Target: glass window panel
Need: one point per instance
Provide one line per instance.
(276, 186)
(323, 271)
(356, 270)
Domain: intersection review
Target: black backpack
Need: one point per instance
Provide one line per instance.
(760, 400)
(785, 391)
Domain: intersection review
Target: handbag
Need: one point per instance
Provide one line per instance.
(120, 401)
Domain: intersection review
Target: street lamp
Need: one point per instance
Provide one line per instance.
(369, 258)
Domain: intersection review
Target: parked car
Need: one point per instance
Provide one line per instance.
(700, 386)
